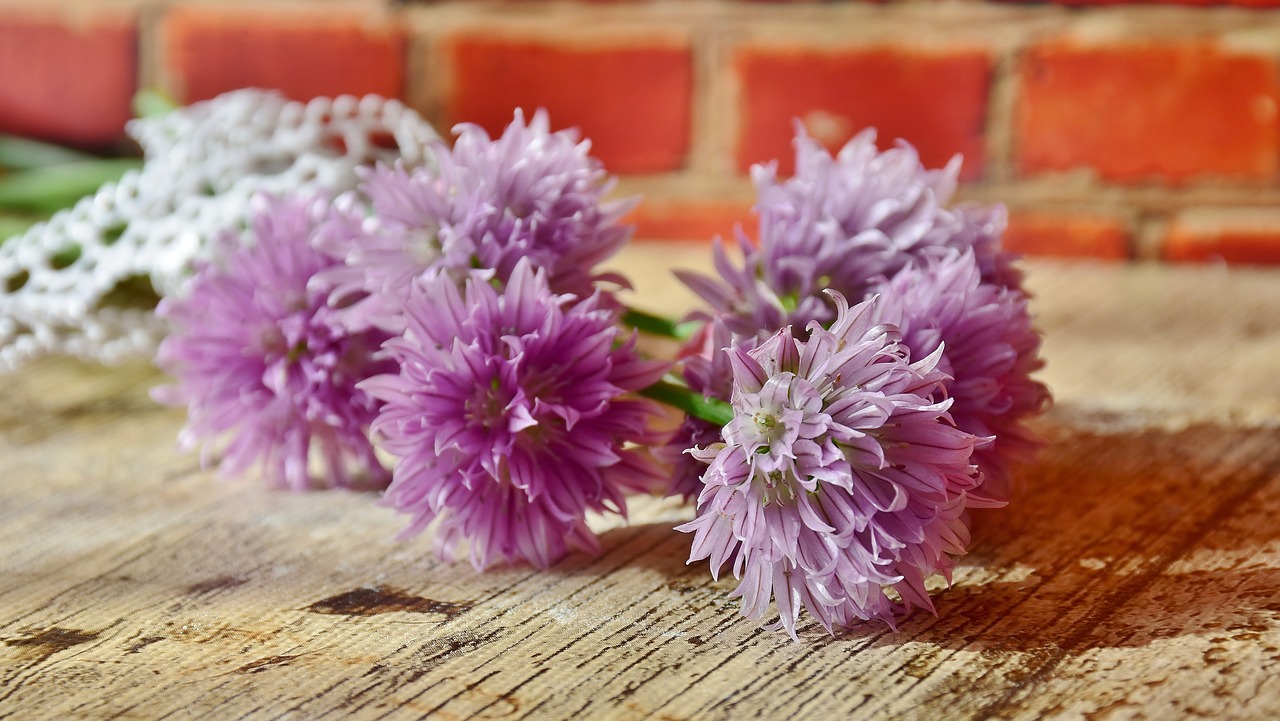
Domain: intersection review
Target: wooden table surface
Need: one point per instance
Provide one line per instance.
(1135, 575)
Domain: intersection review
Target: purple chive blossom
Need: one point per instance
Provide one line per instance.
(988, 348)
(260, 358)
(840, 223)
(484, 204)
(512, 416)
(839, 476)
(889, 206)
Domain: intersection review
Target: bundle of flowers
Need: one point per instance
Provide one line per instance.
(859, 378)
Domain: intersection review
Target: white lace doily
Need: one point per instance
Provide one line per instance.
(203, 165)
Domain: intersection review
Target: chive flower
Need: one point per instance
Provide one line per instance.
(842, 222)
(512, 416)
(265, 370)
(840, 476)
(865, 222)
(484, 204)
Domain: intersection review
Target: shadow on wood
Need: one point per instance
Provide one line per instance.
(1121, 539)
(1115, 539)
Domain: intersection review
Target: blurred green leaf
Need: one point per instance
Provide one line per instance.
(11, 225)
(148, 103)
(51, 188)
(24, 154)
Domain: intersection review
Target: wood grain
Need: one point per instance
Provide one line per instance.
(1135, 575)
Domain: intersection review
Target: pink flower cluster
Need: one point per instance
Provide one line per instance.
(450, 316)
(512, 415)
(260, 357)
(860, 379)
(838, 475)
(878, 503)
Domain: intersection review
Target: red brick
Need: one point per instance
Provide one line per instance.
(1063, 235)
(1168, 112)
(304, 52)
(633, 100)
(672, 219)
(67, 81)
(1250, 240)
(934, 100)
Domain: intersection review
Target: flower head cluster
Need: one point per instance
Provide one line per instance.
(453, 314)
(841, 223)
(511, 416)
(463, 294)
(483, 205)
(839, 475)
(866, 222)
(258, 355)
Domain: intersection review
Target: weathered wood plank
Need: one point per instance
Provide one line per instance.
(1136, 574)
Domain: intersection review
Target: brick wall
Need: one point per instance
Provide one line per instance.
(1112, 130)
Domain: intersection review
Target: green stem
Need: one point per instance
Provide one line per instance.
(13, 225)
(658, 325)
(51, 188)
(24, 154)
(697, 405)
